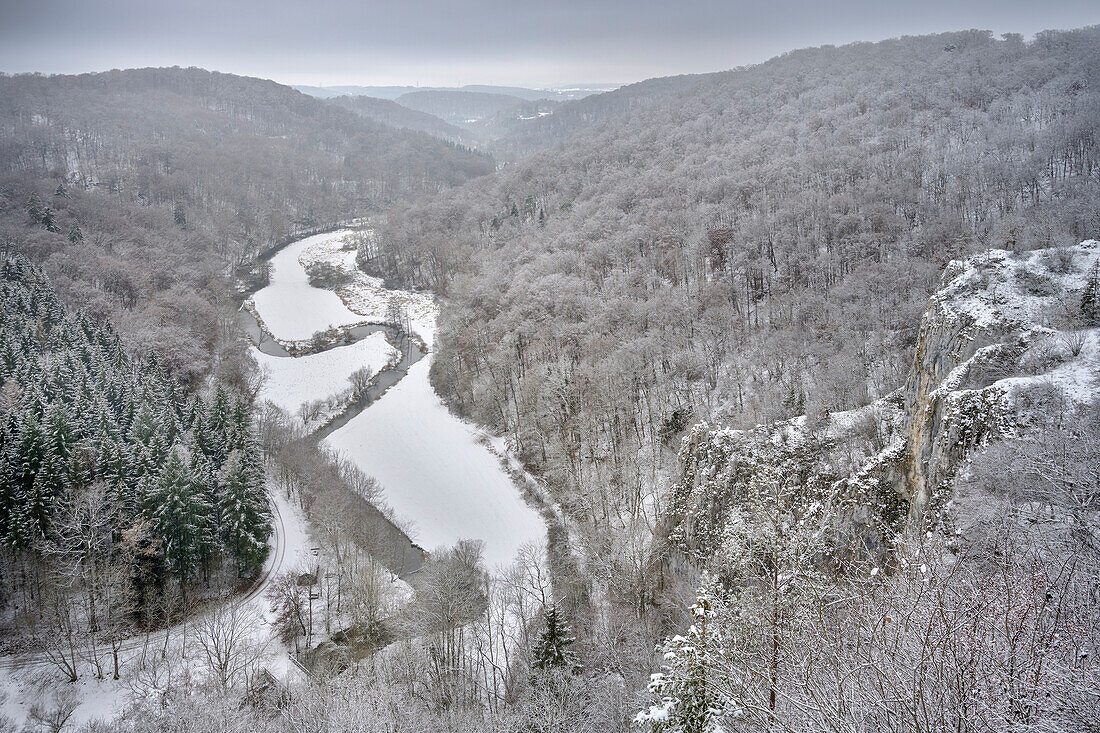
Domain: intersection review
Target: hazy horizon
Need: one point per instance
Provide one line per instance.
(336, 43)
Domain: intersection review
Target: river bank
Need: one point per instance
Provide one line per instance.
(436, 470)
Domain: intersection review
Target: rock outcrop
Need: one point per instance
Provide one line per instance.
(1002, 346)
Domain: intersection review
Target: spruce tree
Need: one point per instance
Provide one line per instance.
(204, 485)
(1090, 299)
(551, 649)
(245, 512)
(687, 703)
(29, 459)
(180, 516)
(218, 424)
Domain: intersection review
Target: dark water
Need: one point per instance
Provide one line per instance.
(410, 354)
(256, 335)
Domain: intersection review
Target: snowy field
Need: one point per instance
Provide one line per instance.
(293, 381)
(433, 468)
(436, 473)
(365, 295)
(291, 308)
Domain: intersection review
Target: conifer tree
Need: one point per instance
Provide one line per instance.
(218, 421)
(180, 515)
(204, 485)
(551, 649)
(1090, 299)
(687, 704)
(245, 513)
(29, 459)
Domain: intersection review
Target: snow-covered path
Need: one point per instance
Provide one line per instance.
(25, 678)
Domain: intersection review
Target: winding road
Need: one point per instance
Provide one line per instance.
(255, 592)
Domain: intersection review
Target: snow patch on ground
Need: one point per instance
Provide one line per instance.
(1024, 301)
(293, 381)
(97, 699)
(998, 287)
(292, 310)
(1077, 379)
(437, 472)
(366, 295)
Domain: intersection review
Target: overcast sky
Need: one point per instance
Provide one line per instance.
(441, 42)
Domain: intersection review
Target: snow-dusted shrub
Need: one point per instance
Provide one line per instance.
(1034, 282)
(1043, 355)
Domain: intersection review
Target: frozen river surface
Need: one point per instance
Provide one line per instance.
(436, 472)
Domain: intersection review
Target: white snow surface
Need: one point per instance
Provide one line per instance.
(292, 381)
(291, 308)
(366, 295)
(437, 471)
(999, 287)
(1028, 293)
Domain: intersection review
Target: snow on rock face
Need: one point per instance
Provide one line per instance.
(293, 381)
(999, 347)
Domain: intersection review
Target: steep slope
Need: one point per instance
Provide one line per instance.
(1004, 348)
(1005, 351)
(758, 247)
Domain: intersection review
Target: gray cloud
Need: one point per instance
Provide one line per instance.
(475, 41)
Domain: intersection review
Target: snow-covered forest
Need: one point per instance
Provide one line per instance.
(762, 399)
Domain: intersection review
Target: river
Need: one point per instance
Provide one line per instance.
(438, 472)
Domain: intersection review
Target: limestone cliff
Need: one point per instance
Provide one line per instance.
(1002, 346)
(1003, 350)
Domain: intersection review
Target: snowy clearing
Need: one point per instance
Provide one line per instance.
(436, 472)
(294, 381)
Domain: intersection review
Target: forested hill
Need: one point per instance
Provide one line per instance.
(391, 113)
(114, 486)
(755, 248)
(458, 107)
(528, 136)
(141, 192)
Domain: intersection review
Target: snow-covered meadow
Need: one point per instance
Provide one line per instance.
(366, 295)
(290, 308)
(436, 472)
(290, 382)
